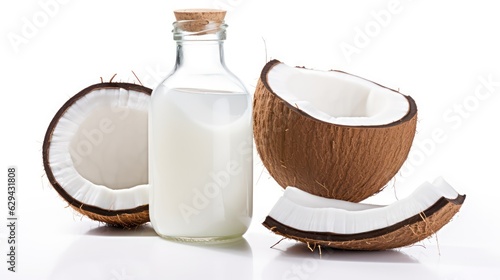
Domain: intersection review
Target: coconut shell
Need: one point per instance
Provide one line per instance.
(127, 218)
(405, 233)
(336, 161)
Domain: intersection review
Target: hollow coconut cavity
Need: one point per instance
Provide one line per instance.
(355, 226)
(330, 133)
(95, 153)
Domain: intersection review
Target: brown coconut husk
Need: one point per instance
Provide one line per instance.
(405, 233)
(123, 220)
(127, 218)
(336, 161)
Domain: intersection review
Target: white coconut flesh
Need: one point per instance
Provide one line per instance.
(99, 149)
(336, 97)
(306, 212)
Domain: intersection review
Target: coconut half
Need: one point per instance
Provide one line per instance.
(95, 153)
(355, 226)
(330, 133)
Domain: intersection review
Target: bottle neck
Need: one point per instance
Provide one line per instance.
(200, 56)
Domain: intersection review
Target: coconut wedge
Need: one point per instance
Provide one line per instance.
(355, 226)
(95, 153)
(330, 133)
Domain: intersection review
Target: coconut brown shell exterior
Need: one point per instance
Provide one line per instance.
(126, 218)
(335, 161)
(405, 233)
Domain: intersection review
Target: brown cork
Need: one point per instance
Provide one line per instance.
(199, 14)
(199, 18)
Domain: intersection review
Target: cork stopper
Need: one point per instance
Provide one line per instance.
(199, 18)
(200, 14)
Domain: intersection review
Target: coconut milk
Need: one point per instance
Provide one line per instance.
(200, 164)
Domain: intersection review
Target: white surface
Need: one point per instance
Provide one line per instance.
(445, 54)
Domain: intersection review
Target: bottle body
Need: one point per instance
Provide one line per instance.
(200, 149)
(201, 164)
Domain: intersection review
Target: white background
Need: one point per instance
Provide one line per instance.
(436, 51)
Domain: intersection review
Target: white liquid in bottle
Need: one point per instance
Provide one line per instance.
(200, 164)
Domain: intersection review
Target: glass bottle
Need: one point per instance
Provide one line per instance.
(200, 138)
